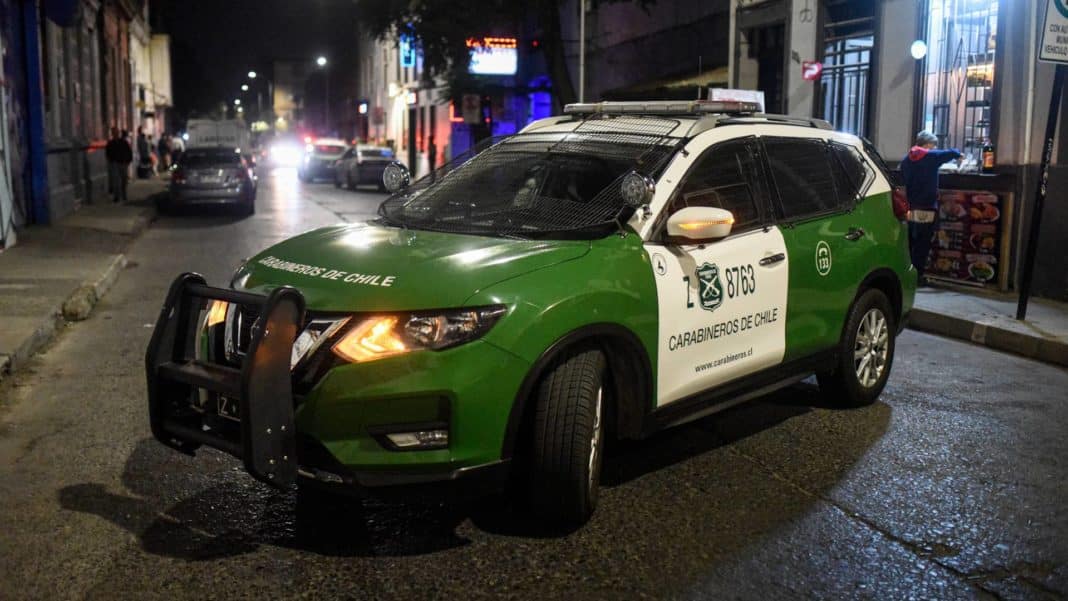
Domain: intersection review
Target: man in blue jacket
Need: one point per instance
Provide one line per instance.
(919, 169)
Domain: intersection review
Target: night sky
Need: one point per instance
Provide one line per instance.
(215, 44)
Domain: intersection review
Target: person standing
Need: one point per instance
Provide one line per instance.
(111, 153)
(119, 155)
(144, 154)
(919, 169)
(164, 152)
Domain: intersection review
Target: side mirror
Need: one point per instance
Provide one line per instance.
(396, 177)
(637, 189)
(700, 223)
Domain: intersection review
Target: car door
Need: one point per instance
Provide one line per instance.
(722, 305)
(824, 236)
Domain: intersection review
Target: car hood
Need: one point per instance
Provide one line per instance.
(370, 267)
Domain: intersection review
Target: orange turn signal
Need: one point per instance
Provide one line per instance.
(372, 338)
(217, 312)
(696, 225)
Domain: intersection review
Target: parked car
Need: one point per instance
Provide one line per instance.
(206, 176)
(319, 158)
(608, 273)
(362, 165)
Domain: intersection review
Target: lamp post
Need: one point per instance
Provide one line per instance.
(321, 61)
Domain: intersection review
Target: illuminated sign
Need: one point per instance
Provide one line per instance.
(493, 56)
(407, 50)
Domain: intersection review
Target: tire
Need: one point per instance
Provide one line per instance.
(567, 441)
(863, 367)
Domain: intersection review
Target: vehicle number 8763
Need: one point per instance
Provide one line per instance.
(741, 281)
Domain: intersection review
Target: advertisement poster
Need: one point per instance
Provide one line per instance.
(968, 240)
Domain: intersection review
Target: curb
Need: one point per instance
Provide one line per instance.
(77, 307)
(79, 304)
(1032, 347)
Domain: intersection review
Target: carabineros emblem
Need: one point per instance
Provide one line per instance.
(711, 288)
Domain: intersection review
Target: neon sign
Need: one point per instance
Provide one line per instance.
(493, 55)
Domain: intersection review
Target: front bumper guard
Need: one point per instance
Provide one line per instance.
(262, 386)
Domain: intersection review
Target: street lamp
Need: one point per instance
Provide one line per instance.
(252, 75)
(237, 102)
(244, 87)
(321, 61)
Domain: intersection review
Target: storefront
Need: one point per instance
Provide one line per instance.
(886, 69)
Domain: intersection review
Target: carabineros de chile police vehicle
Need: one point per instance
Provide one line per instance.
(611, 272)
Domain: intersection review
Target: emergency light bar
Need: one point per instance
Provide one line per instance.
(663, 107)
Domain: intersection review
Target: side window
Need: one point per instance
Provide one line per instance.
(853, 174)
(723, 178)
(802, 171)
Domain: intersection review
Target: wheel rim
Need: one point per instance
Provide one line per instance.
(872, 348)
(595, 438)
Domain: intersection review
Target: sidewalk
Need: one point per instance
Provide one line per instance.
(58, 273)
(990, 319)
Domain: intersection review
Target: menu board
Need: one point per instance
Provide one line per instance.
(968, 241)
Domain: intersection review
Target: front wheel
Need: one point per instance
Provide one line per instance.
(568, 438)
(865, 353)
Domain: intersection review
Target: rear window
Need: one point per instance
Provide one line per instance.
(329, 149)
(376, 152)
(210, 158)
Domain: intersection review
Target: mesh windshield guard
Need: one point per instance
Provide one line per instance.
(538, 184)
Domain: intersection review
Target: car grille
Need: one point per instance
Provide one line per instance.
(238, 334)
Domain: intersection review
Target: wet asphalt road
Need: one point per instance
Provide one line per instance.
(953, 485)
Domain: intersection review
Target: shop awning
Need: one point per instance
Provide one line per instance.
(679, 87)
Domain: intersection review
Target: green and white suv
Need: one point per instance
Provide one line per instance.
(608, 273)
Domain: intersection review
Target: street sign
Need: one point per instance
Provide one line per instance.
(472, 108)
(811, 70)
(1054, 46)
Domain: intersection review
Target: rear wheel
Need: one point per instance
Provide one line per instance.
(568, 438)
(865, 353)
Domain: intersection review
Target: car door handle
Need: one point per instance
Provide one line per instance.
(855, 233)
(770, 259)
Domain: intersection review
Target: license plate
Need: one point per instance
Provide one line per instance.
(228, 408)
(209, 179)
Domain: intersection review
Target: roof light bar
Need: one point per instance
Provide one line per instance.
(663, 107)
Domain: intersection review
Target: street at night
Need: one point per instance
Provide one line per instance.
(533, 299)
(950, 486)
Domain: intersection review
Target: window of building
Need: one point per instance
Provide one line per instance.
(959, 74)
(802, 171)
(848, 36)
(723, 178)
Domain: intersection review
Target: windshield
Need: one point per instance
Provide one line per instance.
(195, 158)
(529, 186)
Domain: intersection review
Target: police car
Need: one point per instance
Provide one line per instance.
(608, 273)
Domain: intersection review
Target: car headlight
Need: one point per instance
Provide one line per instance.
(379, 336)
(309, 340)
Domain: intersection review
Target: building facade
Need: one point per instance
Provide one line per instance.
(71, 71)
(965, 70)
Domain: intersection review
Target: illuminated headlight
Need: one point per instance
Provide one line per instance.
(317, 332)
(381, 336)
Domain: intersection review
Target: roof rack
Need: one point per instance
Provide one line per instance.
(663, 107)
(785, 120)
